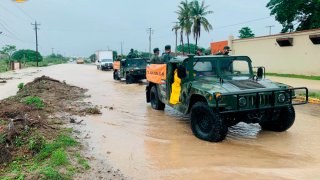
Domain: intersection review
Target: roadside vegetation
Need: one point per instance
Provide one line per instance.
(27, 57)
(35, 142)
(294, 76)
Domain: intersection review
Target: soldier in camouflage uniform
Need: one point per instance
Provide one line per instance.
(166, 56)
(132, 54)
(155, 59)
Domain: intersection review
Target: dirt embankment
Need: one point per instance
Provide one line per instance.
(37, 111)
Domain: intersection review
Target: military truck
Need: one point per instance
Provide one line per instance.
(132, 69)
(221, 91)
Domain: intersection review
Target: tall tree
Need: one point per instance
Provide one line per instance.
(184, 17)
(28, 55)
(8, 50)
(198, 14)
(176, 28)
(245, 32)
(304, 14)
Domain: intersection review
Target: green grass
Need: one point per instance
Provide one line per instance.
(311, 94)
(56, 159)
(294, 76)
(59, 158)
(34, 100)
(82, 161)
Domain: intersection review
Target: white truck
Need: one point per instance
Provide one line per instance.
(104, 60)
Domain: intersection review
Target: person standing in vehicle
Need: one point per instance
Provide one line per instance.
(226, 51)
(155, 59)
(166, 56)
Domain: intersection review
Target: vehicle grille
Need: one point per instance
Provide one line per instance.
(264, 100)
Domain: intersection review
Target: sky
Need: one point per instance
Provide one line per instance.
(81, 27)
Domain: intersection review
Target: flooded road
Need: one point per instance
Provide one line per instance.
(148, 144)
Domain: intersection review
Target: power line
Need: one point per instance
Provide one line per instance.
(10, 12)
(253, 20)
(31, 18)
(270, 27)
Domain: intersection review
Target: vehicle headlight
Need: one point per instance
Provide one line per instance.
(281, 98)
(242, 101)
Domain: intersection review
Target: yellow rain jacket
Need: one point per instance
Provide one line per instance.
(175, 89)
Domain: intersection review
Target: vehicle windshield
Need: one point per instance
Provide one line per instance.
(228, 67)
(205, 67)
(234, 67)
(106, 60)
(136, 63)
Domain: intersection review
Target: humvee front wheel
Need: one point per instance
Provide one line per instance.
(284, 121)
(206, 124)
(155, 101)
(129, 79)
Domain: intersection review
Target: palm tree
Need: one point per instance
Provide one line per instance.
(176, 28)
(198, 13)
(184, 18)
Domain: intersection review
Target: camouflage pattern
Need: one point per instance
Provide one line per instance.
(135, 68)
(166, 57)
(155, 59)
(197, 86)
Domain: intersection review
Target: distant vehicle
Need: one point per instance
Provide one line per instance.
(104, 60)
(133, 69)
(80, 61)
(219, 92)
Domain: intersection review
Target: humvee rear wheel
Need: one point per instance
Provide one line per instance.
(206, 124)
(155, 101)
(284, 121)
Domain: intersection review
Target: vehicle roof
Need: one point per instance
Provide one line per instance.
(180, 59)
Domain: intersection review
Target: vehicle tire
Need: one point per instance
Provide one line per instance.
(206, 124)
(154, 99)
(115, 75)
(129, 79)
(284, 121)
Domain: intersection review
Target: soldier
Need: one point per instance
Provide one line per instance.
(132, 54)
(225, 51)
(199, 52)
(166, 56)
(155, 59)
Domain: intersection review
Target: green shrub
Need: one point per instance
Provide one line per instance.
(20, 86)
(36, 144)
(59, 157)
(51, 173)
(36, 101)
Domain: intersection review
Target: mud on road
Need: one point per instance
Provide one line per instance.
(143, 143)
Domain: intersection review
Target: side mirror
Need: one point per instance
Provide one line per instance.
(260, 72)
(182, 72)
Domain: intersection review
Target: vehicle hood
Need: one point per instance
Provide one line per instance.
(239, 84)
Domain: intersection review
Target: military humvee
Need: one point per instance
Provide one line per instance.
(221, 91)
(132, 69)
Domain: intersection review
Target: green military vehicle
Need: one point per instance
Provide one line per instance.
(132, 69)
(221, 91)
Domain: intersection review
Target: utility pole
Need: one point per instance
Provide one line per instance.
(150, 31)
(270, 27)
(121, 48)
(36, 30)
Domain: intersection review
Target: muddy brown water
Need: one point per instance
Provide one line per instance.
(148, 144)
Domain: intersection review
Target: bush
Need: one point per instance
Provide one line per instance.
(34, 100)
(20, 86)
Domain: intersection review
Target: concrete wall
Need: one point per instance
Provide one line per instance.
(301, 58)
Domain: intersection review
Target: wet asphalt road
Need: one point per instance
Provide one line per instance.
(148, 144)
